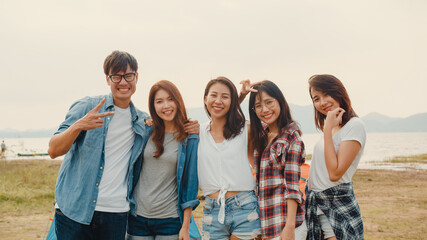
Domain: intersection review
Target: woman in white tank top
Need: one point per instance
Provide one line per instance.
(225, 176)
(332, 209)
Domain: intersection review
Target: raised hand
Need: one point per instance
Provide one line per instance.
(247, 87)
(334, 118)
(93, 119)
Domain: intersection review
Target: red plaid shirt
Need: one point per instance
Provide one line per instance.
(278, 174)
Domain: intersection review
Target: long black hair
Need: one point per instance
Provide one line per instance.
(259, 136)
(235, 117)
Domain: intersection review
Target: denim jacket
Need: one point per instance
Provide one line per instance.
(78, 179)
(187, 179)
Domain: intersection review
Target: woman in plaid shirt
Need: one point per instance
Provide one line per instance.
(279, 154)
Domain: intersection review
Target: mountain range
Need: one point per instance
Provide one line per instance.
(304, 115)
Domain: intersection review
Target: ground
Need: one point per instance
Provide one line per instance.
(393, 203)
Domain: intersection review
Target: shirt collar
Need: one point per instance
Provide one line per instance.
(292, 127)
(109, 103)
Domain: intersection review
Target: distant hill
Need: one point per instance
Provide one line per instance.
(304, 115)
(376, 122)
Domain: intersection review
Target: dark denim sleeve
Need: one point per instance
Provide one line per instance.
(190, 181)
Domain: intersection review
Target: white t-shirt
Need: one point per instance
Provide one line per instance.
(112, 196)
(318, 177)
(224, 166)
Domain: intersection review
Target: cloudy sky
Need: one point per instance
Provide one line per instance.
(52, 52)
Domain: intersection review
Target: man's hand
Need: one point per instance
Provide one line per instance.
(192, 127)
(60, 143)
(93, 119)
(149, 122)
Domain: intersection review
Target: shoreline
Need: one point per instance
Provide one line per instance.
(417, 162)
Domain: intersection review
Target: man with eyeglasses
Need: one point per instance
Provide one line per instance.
(102, 138)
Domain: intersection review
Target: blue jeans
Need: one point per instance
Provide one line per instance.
(141, 226)
(241, 217)
(104, 225)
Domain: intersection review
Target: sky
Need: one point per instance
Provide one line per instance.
(52, 52)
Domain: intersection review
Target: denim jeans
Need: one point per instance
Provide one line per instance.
(104, 225)
(141, 226)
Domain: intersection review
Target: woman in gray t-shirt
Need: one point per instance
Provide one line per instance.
(166, 191)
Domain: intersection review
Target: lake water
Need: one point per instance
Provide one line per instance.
(384, 146)
(379, 147)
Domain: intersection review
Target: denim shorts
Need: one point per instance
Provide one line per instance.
(324, 224)
(241, 217)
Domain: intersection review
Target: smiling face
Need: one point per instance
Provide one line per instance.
(165, 106)
(123, 90)
(218, 100)
(323, 103)
(267, 109)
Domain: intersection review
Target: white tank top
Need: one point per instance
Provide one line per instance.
(224, 166)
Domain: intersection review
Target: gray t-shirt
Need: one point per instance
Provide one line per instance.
(156, 191)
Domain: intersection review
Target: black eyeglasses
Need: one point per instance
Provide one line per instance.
(116, 78)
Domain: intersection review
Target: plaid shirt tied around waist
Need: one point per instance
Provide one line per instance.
(340, 207)
(278, 173)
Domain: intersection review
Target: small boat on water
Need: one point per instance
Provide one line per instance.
(32, 154)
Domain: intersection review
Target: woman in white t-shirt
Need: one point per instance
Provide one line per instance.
(225, 176)
(332, 209)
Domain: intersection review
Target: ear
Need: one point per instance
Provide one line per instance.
(206, 98)
(136, 78)
(108, 80)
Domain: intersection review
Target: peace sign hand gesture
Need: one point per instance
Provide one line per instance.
(93, 119)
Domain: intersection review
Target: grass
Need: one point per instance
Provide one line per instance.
(26, 191)
(27, 185)
(422, 158)
(393, 203)
(408, 161)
